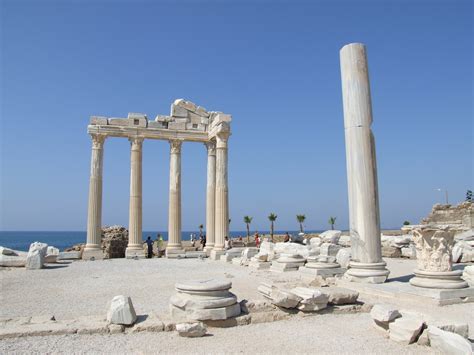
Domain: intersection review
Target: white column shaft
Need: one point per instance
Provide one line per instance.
(361, 160)
(94, 214)
(211, 195)
(222, 194)
(135, 247)
(174, 215)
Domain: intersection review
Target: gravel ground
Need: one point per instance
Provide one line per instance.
(328, 334)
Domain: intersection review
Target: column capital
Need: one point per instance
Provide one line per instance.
(175, 146)
(211, 147)
(136, 142)
(222, 138)
(98, 140)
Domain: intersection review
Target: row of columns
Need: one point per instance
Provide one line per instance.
(217, 201)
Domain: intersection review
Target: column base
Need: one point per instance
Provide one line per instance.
(314, 269)
(134, 253)
(208, 249)
(92, 254)
(439, 279)
(216, 254)
(375, 273)
(175, 253)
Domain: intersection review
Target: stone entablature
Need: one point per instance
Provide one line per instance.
(187, 122)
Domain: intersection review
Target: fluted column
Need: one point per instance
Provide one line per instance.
(174, 247)
(135, 245)
(367, 264)
(210, 195)
(94, 214)
(222, 196)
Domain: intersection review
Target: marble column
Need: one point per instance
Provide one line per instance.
(135, 243)
(210, 196)
(367, 264)
(94, 214)
(222, 196)
(174, 247)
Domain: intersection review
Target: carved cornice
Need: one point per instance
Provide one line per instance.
(211, 147)
(175, 146)
(97, 140)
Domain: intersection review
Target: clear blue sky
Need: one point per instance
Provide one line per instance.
(273, 65)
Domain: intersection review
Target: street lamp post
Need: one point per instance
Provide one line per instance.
(445, 194)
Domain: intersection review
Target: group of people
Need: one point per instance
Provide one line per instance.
(202, 240)
(159, 246)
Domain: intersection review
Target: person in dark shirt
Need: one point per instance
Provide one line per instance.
(149, 244)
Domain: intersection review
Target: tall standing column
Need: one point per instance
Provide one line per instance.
(222, 196)
(135, 245)
(367, 264)
(174, 247)
(210, 196)
(94, 214)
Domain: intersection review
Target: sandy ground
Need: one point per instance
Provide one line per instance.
(325, 334)
(84, 288)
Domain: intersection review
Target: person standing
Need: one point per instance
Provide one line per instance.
(149, 244)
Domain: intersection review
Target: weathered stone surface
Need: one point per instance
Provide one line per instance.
(13, 260)
(345, 241)
(447, 342)
(150, 324)
(191, 330)
(423, 339)
(409, 252)
(52, 251)
(465, 236)
(383, 315)
(121, 311)
(115, 328)
(468, 275)
(331, 236)
(50, 259)
(389, 251)
(278, 297)
(406, 329)
(339, 295)
(202, 314)
(459, 328)
(36, 256)
(8, 251)
(69, 255)
(343, 257)
(329, 249)
(114, 241)
(311, 299)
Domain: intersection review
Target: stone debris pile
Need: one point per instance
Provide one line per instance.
(306, 299)
(37, 256)
(408, 328)
(200, 300)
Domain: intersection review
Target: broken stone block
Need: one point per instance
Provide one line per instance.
(383, 315)
(191, 330)
(121, 311)
(328, 249)
(278, 297)
(391, 252)
(116, 328)
(98, 120)
(311, 299)
(118, 121)
(406, 329)
(343, 257)
(339, 295)
(36, 256)
(447, 342)
(330, 236)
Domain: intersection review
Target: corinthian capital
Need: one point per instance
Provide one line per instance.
(222, 138)
(136, 142)
(175, 145)
(211, 147)
(98, 140)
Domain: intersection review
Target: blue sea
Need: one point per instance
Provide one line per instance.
(21, 240)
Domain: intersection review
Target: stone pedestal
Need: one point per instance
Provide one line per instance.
(367, 265)
(174, 249)
(231, 254)
(204, 300)
(259, 265)
(434, 260)
(135, 244)
(316, 268)
(216, 254)
(94, 212)
(287, 262)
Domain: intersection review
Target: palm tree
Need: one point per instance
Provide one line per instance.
(200, 230)
(247, 221)
(332, 221)
(300, 218)
(272, 218)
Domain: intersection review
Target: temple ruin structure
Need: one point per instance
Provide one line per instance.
(186, 123)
